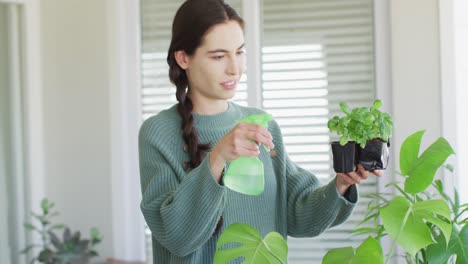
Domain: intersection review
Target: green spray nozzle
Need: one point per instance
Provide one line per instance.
(261, 119)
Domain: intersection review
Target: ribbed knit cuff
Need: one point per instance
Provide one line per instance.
(207, 175)
(349, 198)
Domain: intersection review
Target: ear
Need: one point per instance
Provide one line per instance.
(181, 58)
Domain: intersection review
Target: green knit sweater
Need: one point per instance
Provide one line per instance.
(182, 207)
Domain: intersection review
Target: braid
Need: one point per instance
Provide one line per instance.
(185, 107)
(190, 135)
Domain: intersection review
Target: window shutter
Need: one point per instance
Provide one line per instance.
(315, 54)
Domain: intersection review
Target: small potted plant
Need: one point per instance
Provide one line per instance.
(70, 249)
(364, 138)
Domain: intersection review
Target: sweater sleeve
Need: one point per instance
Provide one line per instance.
(181, 212)
(311, 208)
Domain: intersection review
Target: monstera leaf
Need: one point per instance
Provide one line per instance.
(242, 240)
(458, 245)
(369, 252)
(405, 222)
(421, 170)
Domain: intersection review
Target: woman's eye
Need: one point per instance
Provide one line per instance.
(218, 57)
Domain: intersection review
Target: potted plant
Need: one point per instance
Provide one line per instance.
(364, 138)
(429, 226)
(70, 249)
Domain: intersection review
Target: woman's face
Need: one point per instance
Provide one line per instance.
(216, 67)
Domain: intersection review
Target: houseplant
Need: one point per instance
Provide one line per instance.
(429, 227)
(71, 249)
(364, 137)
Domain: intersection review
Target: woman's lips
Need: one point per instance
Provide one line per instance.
(229, 85)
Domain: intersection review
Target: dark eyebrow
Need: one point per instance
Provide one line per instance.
(222, 50)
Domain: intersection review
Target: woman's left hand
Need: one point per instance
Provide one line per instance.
(344, 180)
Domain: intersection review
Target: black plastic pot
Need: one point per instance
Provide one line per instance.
(374, 156)
(344, 157)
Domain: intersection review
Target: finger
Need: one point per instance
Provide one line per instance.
(354, 176)
(378, 173)
(249, 150)
(346, 178)
(259, 138)
(258, 129)
(243, 147)
(362, 172)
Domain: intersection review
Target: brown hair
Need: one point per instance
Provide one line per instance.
(191, 22)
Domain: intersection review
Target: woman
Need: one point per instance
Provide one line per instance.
(184, 150)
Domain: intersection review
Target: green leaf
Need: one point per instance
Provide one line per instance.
(55, 241)
(409, 151)
(404, 222)
(369, 252)
(365, 230)
(458, 245)
(449, 167)
(369, 120)
(421, 170)
(377, 104)
(369, 217)
(243, 240)
(29, 227)
(339, 255)
(333, 123)
(427, 209)
(439, 185)
(343, 140)
(66, 234)
(45, 205)
(95, 236)
(45, 256)
(375, 196)
(344, 107)
(28, 248)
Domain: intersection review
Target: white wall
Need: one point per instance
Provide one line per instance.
(76, 116)
(415, 70)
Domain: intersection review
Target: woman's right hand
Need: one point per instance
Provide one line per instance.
(238, 142)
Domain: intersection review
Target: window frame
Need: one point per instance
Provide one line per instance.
(125, 119)
(30, 178)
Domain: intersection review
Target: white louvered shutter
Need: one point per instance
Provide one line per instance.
(315, 53)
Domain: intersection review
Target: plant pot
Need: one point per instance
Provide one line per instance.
(344, 157)
(375, 155)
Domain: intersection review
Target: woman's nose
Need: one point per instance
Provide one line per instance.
(233, 66)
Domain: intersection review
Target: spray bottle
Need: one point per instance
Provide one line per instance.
(245, 174)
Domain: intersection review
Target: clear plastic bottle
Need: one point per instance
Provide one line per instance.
(245, 174)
